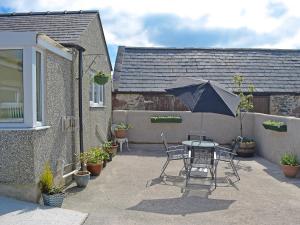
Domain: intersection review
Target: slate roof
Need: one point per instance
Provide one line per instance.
(152, 69)
(64, 27)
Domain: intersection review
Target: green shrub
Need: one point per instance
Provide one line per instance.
(275, 125)
(289, 159)
(104, 155)
(94, 155)
(101, 78)
(46, 179)
(166, 119)
(123, 126)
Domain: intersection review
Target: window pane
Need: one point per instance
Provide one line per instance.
(91, 88)
(11, 85)
(39, 104)
(101, 94)
(96, 93)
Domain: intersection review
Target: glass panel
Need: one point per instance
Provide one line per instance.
(39, 95)
(101, 94)
(96, 93)
(11, 85)
(91, 88)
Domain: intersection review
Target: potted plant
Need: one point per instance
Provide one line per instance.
(275, 125)
(101, 78)
(82, 176)
(289, 164)
(247, 145)
(94, 161)
(121, 130)
(104, 156)
(52, 195)
(110, 147)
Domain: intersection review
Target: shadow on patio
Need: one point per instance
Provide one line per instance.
(182, 206)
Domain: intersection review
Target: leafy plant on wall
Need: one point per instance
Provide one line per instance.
(101, 78)
(246, 100)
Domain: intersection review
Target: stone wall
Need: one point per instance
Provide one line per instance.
(285, 105)
(146, 101)
(270, 144)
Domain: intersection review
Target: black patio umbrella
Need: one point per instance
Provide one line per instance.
(204, 96)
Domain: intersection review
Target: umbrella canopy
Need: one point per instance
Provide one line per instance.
(204, 96)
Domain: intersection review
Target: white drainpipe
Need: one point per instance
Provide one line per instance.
(63, 169)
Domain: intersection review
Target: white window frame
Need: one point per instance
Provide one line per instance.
(29, 88)
(39, 123)
(101, 88)
(30, 43)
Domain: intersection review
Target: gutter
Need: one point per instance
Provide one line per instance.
(80, 75)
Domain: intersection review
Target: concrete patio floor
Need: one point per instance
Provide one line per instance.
(128, 192)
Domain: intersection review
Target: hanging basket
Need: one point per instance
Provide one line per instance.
(101, 78)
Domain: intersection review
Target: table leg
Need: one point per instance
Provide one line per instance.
(121, 146)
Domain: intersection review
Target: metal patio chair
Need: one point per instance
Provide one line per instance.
(193, 135)
(224, 154)
(201, 158)
(177, 152)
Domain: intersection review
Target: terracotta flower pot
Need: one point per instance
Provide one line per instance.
(121, 133)
(290, 171)
(114, 150)
(94, 168)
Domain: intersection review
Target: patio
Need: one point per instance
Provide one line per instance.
(128, 192)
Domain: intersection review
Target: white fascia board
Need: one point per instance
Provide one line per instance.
(17, 39)
(53, 46)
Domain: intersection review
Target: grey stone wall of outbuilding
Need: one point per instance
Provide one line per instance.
(285, 105)
(146, 101)
(280, 104)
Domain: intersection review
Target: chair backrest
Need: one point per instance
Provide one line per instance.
(193, 135)
(202, 157)
(236, 144)
(164, 140)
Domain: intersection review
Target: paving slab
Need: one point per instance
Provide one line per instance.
(15, 212)
(129, 192)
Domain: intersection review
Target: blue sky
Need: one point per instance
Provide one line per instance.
(185, 23)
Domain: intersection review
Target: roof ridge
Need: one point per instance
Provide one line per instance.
(211, 49)
(47, 13)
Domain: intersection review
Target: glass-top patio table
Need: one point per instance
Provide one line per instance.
(201, 144)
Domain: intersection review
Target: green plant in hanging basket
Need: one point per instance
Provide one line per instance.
(101, 78)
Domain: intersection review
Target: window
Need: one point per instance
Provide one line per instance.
(22, 81)
(96, 95)
(39, 88)
(11, 85)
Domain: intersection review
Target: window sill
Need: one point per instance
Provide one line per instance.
(97, 106)
(24, 128)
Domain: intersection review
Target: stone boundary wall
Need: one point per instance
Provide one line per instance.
(270, 144)
(219, 127)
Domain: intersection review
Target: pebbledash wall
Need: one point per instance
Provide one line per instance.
(270, 144)
(25, 152)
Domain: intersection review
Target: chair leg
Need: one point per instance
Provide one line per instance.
(216, 166)
(234, 170)
(187, 176)
(164, 168)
